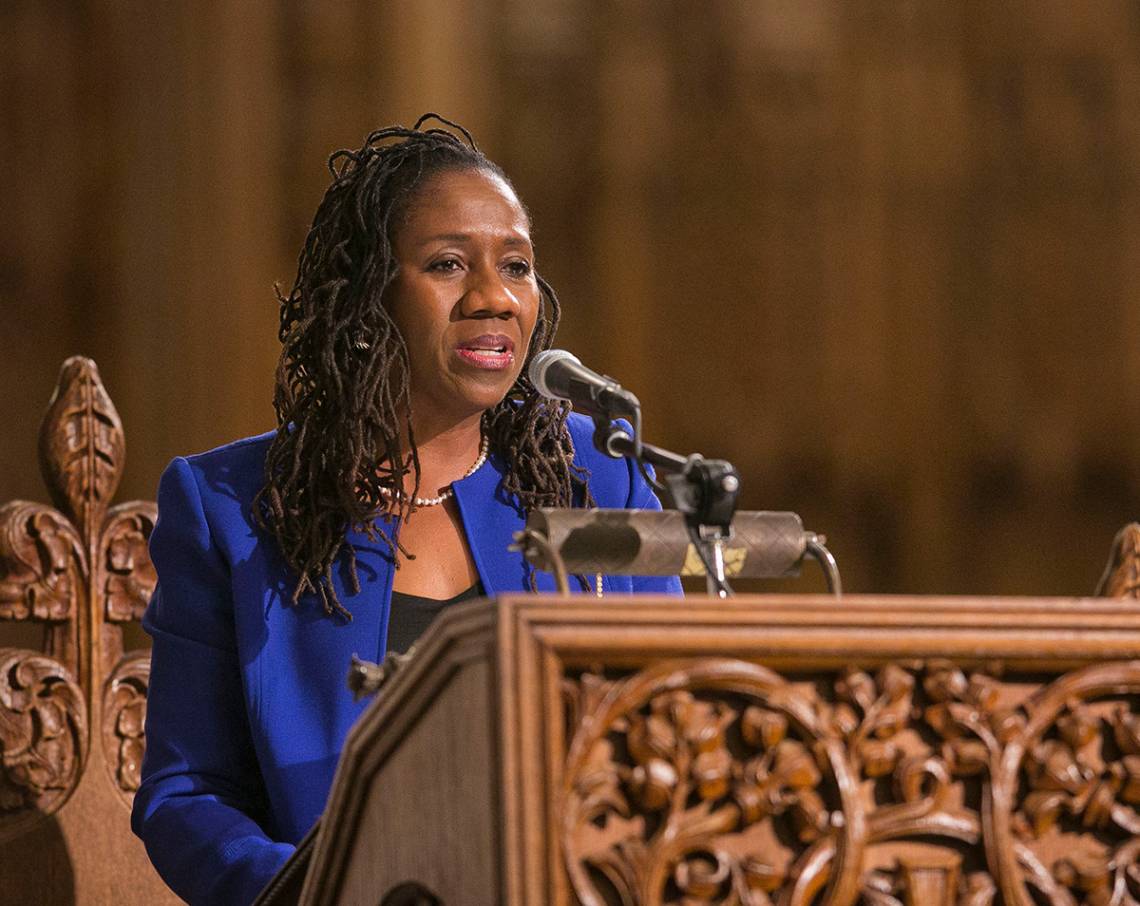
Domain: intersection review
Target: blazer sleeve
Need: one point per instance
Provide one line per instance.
(641, 497)
(201, 803)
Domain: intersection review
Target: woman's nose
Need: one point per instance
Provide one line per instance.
(487, 295)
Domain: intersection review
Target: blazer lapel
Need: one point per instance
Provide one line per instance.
(490, 518)
(302, 680)
(375, 567)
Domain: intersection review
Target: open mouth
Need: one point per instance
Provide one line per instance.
(491, 351)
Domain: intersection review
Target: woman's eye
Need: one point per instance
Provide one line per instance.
(518, 268)
(444, 265)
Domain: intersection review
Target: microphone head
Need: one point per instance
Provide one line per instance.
(540, 367)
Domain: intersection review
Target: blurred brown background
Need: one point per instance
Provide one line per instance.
(881, 255)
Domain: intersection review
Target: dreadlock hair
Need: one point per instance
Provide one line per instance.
(343, 394)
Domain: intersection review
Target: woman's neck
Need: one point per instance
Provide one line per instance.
(446, 452)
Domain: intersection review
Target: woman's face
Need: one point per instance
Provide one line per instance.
(465, 297)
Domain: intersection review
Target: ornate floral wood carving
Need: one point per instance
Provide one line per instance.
(81, 569)
(127, 575)
(124, 716)
(720, 781)
(41, 556)
(43, 735)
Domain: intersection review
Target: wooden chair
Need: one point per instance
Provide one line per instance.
(71, 714)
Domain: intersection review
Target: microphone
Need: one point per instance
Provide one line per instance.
(657, 543)
(558, 374)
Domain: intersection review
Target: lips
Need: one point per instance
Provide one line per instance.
(492, 352)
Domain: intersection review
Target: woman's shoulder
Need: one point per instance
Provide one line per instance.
(610, 479)
(240, 454)
(581, 428)
(230, 474)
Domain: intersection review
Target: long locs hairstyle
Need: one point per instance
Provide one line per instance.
(342, 395)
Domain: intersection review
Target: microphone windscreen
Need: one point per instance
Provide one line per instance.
(540, 367)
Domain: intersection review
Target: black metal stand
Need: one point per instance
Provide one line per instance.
(704, 490)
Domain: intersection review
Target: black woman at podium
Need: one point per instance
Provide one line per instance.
(409, 447)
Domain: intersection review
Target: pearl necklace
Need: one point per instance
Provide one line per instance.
(448, 492)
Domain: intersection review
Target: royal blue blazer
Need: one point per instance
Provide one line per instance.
(248, 708)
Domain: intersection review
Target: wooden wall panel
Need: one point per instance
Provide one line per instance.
(41, 124)
(880, 255)
(192, 311)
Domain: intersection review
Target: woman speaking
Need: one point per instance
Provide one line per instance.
(409, 447)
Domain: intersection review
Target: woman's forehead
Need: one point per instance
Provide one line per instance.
(465, 198)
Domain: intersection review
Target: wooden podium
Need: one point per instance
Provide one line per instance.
(758, 750)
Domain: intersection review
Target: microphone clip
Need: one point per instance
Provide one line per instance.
(706, 491)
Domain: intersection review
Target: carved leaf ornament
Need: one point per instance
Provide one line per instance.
(41, 558)
(42, 733)
(81, 569)
(125, 716)
(127, 577)
(719, 781)
(81, 444)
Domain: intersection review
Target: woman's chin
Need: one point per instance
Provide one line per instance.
(468, 400)
(486, 389)
(484, 401)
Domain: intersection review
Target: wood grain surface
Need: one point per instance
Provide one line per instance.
(879, 255)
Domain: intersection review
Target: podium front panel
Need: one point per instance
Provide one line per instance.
(772, 749)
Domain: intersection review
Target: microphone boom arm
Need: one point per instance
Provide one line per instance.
(703, 490)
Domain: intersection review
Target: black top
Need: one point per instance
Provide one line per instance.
(410, 615)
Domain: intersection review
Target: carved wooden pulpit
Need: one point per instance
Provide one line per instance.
(760, 750)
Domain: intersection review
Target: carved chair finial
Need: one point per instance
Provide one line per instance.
(80, 568)
(82, 450)
(1121, 578)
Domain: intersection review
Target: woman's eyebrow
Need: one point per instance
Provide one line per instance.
(448, 237)
(466, 237)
